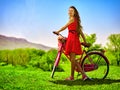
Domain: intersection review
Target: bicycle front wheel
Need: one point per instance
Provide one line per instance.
(95, 65)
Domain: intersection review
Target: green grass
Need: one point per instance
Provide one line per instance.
(21, 78)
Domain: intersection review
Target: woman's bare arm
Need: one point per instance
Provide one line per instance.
(64, 27)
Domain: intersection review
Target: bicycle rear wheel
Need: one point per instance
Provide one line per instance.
(95, 65)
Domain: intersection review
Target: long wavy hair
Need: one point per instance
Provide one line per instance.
(76, 15)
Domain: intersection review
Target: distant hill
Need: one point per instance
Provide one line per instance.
(13, 43)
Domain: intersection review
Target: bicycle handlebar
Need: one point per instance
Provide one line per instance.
(86, 44)
(57, 33)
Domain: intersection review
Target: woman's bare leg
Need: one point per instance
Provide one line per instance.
(84, 77)
(72, 59)
(80, 68)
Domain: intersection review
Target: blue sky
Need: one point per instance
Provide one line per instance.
(35, 20)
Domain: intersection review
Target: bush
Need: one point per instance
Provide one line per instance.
(32, 57)
(47, 61)
(35, 56)
(14, 57)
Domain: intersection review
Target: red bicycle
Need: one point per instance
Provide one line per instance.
(93, 62)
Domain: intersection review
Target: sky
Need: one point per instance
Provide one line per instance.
(35, 20)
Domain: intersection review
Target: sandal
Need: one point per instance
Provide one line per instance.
(84, 78)
(69, 78)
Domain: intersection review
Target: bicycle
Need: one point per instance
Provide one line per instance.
(93, 62)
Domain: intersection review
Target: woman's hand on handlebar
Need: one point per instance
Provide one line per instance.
(57, 33)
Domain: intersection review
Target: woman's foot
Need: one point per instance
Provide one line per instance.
(69, 78)
(84, 77)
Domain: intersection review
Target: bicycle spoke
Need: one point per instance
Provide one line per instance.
(99, 59)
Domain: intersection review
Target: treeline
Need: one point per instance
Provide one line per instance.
(30, 57)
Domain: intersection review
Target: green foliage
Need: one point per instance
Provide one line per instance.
(113, 48)
(47, 61)
(30, 57)
(19, 56)
(35, 56)
(111, 57)
(14, 57)
(114, 42)
(91, 38)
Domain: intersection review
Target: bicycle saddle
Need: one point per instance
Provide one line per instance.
(86, 44)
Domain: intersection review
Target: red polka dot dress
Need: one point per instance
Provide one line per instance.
(73, 44)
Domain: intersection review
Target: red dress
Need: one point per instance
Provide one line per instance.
(73, 44)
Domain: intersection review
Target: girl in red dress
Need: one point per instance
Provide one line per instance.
(73, 45)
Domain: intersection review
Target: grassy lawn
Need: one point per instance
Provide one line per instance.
(21, 78)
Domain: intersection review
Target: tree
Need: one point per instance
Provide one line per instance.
(91, 38)
(114, 46)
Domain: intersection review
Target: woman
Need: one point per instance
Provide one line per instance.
(73, 45)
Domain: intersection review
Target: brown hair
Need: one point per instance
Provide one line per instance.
(76, 15)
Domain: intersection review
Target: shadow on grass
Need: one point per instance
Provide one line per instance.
(89, 82)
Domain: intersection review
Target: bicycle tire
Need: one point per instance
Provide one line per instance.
(104, 58)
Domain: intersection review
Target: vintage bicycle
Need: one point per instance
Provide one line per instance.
(93, 62)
